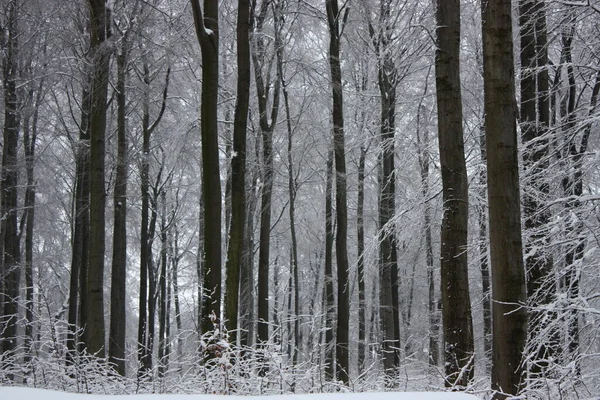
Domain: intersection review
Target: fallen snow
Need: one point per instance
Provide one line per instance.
(23, 393)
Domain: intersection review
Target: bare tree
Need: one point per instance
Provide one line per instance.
(456, 302)
(207, 32)
(238, 171)
(508, 272)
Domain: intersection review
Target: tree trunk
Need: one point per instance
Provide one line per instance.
(456, 302)
(81, 229)
(389, 314)
(94, 333)
(508, 272)
(360, 236)
(163, 339)
(267, 122)
(238, 171)
(29, 142)
(328, 306)
(11, 274)
(118, 317)
(341, 246)
(207, 31)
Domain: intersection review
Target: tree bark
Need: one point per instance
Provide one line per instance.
(238, 171)
(81, 229)
(118, 316)
(388, 297)
(456, 302)
(101, 49)
(334, 17)
(360, 236)
(207, 32)
(267, 122)
(11, 273)
(508, 272)
(30, 132)
(328, 305)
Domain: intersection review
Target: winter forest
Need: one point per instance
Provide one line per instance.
(300, 196)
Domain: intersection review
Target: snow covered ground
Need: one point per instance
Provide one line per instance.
(22, 393)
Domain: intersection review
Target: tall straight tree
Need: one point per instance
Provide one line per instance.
(387, 74)
(456, 302)
(328, 295)
(11, 271)
(81, 230)
(94, 334)
(116, 338)
(509, 326)
(334, 20)
(238, 171)
(535, 120)
(207, 32)
(267, 123)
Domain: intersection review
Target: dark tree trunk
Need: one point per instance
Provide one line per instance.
(238, 172)
(81, 229)
(360, 235)
(267, 122)
(11, 273)
(100, 49)
(456, 302)
(328, 305)
(163, 338)
(508, 272)
(246, 300)
(207, 31)
(334, 17)
(388, 298)
(29, 142)
(118, 317)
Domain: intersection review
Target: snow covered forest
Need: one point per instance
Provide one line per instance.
(262, 197)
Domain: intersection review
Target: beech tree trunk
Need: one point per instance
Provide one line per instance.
(11, 273)
(360, 234)
(459, 358)
(328, 304)
(238, 172)
(30, 132)
(388, 298)
(207, 32)
(508, 272)
(81, 229)
(334, 17)
(118, 318)
(267, 122)
(100, 49)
